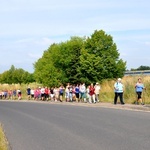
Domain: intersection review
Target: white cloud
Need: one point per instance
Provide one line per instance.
(44, 41)
(35, 56)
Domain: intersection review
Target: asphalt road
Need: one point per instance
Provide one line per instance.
(42, 126)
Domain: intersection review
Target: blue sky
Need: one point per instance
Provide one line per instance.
(29, 27)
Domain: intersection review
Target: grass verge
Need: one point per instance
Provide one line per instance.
(3, 140)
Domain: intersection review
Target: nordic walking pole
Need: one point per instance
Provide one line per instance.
(144, 91)
(136, 99)
(143, 97)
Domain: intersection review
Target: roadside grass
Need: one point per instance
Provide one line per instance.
(107, 89)
(22, 87)
(106, 92)
(3, 140)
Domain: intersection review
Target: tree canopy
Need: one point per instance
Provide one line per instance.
(14, 75)
(80, 59)
(141, 68)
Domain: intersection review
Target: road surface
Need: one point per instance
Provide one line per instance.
(45, 126)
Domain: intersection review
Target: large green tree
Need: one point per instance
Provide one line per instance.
(59, 63)
(45, 70)
(79, 59)
(102, 46)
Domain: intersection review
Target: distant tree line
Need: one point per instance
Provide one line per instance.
(80, 59)
(15, 76)
(141, 68)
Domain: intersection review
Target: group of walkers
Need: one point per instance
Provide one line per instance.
(119, 89)
(11, 94)
(70, 93)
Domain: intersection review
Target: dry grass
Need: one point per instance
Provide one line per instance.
(3, 141)
(107, 89)
(22, 87)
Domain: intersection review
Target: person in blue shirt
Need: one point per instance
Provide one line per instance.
(118, 89)
(139, 89)
(77, 92)
(29, 93)
(61, 93)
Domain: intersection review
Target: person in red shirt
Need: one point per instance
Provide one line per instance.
(46, 93)
(92, 93)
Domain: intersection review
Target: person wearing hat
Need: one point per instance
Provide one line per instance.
(97, 91)
(139, 89)
(118, 89)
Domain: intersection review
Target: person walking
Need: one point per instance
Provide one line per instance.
(61, 93)
(19, 94)
(97, 92)
(43, 93)
(83, 93)
(67, 93)
(14, 94)
(139, 89)
(92, 93)
(28, 93)
(118, 88)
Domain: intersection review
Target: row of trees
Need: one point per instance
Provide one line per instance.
(80, 59)
(14, 75)
(141, 68)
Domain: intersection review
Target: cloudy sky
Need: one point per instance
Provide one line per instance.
(28, 27)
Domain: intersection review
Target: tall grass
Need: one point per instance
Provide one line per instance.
(107, 89)
(22, 87)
